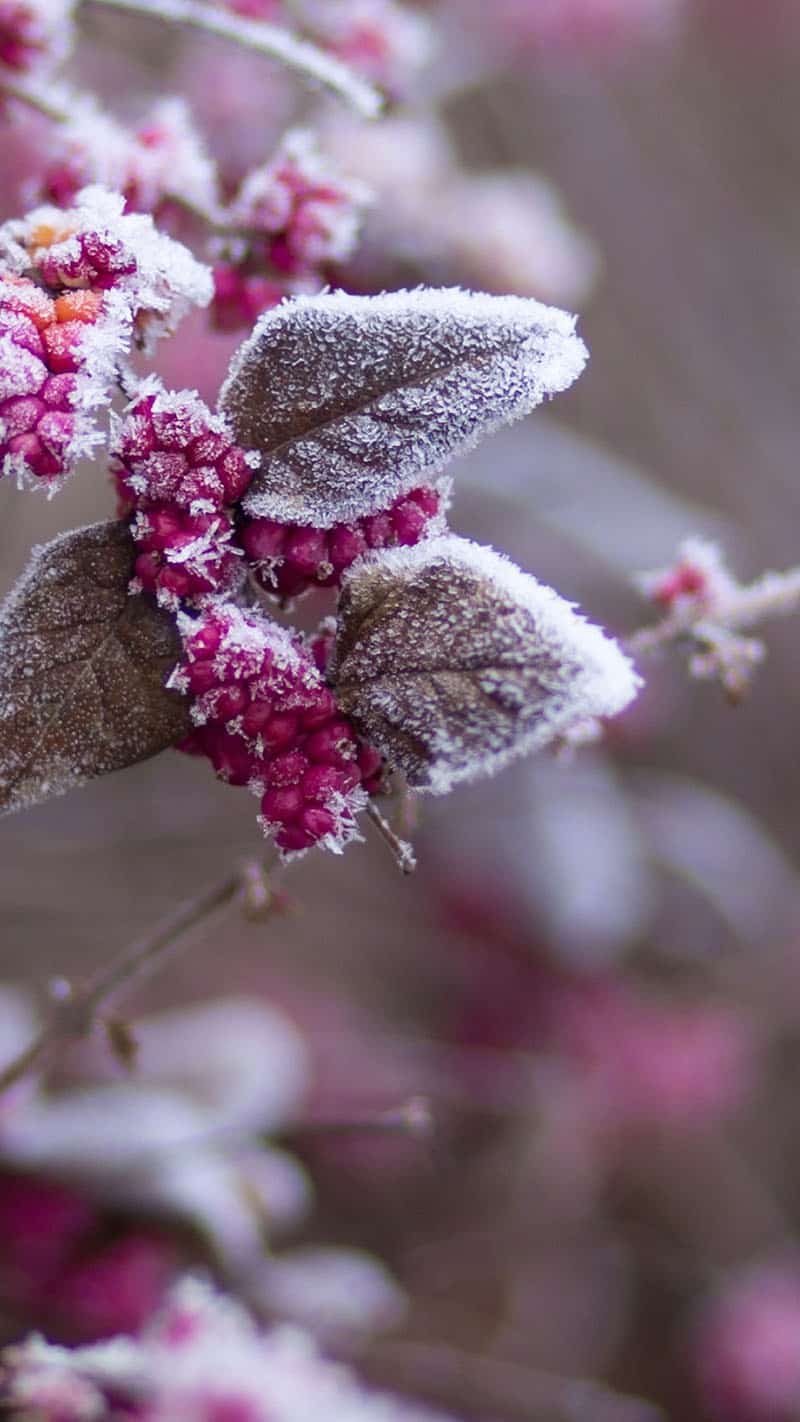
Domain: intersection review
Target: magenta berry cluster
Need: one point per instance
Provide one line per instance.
(240, 297)
(92, 260)
(288, 559)
(300, 216)
(265, 718)
(43, 342)
(29, 34)
(179, 471)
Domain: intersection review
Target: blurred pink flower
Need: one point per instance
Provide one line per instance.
(747, 1347)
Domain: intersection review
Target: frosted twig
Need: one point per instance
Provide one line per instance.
(402, 852)
(76, 1011)
(707, 608)
(270, 40)
(771, 595)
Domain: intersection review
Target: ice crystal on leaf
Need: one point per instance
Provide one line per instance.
(352, 401)
(82, 668)
(452, 662)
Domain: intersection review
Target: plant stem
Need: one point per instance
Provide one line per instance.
(76, 1013)
(402, 852)
(263, 38)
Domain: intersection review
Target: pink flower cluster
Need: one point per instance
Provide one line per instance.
(266, 719)
(158, 161)
(77, 291)
(180, 471)
(288, 559)
(289, 222)
(33, 34)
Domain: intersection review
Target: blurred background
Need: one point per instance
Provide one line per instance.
(582, 1013)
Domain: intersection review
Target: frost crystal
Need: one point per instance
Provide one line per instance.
(453, 662)
(202, 1358)
(352, 401)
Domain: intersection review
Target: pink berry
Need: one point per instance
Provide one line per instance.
(282, 804)
(317, 822)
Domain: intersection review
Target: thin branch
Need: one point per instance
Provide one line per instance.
(73, 1016)
(401, 851)
(262, 38)
(771, 595)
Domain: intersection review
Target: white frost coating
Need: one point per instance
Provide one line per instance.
(97, 148)
(353, 401)
(202, 1354)
(167, 280)
(453, 662)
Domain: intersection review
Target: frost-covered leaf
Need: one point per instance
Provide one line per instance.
(453, 662)
(354, 400)
(82, 669)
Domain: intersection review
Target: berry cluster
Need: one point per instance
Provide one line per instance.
(288, 559)
(151, 165)
(266, 719)
(179, 471)
(77, 290)
(289, 221)
(49, 350)
(32, 34)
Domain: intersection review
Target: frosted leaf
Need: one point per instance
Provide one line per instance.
(453, 662)
(82, 669)
(352, 400)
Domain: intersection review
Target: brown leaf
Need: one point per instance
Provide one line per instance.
(453, 662)
(82, 669)
(354, 400)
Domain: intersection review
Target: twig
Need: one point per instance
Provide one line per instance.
(74, 1015)
(402, 852)
(263, 38)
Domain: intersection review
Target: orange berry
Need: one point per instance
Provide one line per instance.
(81, 306)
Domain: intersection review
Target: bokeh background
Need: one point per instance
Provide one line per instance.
(593, 979)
